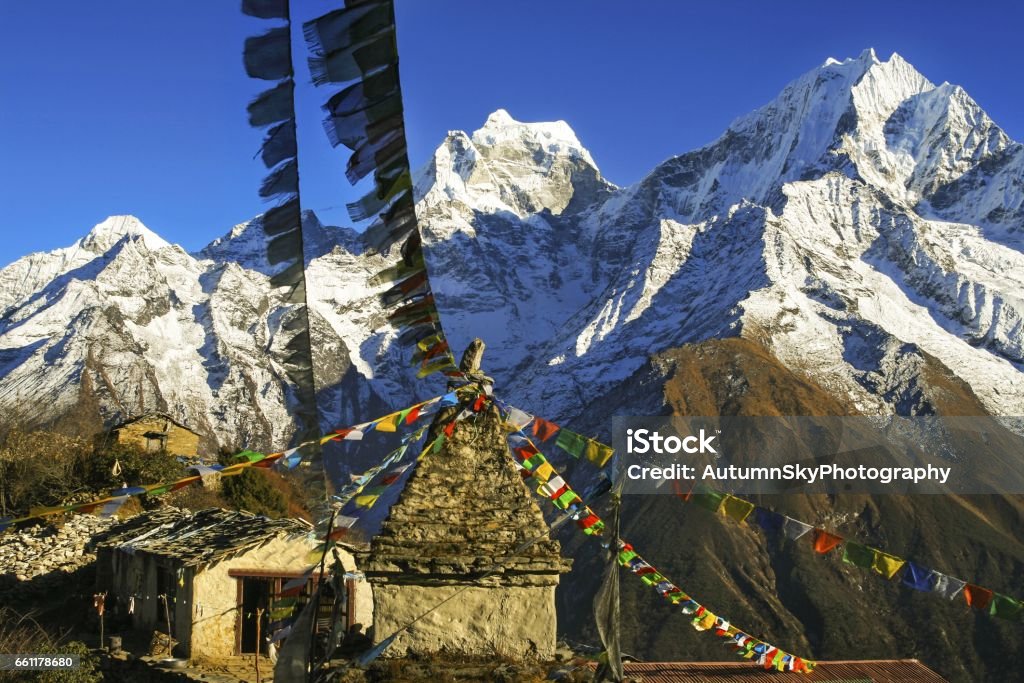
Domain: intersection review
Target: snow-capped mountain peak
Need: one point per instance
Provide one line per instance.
(511, 166)
(554, 138)
(113, 229)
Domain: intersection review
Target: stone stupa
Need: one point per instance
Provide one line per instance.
(455, 538)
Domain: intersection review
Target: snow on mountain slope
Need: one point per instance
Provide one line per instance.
(861, 222)
(30, 273)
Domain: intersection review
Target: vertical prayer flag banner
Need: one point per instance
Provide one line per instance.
(357, 43)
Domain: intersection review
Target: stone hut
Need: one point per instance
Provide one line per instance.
(455, 531)
(217, 567)
(157, 432)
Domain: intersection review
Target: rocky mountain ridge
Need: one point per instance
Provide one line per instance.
(861, 222)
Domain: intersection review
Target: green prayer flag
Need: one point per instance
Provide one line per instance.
(1005, 607)
(709, 499)
(281, 613)
(858, 555)
(571, 442)
(249, 456)
(566, 499)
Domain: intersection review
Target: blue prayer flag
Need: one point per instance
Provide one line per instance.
(919, 578)
(768, 520)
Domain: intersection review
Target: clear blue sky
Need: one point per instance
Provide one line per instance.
(129, 106)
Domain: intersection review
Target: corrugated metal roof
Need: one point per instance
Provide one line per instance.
(880, 671)
(197, 538)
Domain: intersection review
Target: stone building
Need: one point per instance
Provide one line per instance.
(462, 515)
(157, 432)
(217, 567)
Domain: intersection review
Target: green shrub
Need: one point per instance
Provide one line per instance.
(19, 633)
(252, 491)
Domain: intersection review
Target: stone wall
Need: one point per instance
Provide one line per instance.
(42, 549)
(508, 621)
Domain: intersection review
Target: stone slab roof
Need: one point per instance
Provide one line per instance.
(464, 511)
(197, 538)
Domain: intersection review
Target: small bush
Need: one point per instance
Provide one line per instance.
(22, 634)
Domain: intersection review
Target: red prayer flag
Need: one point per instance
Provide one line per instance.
(526, 452)
(824, 541)
(977, 597)
(412, 416)
(544, 429)
(436, 349)
(449, 428)
(479, 403)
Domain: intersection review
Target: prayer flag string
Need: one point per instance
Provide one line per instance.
(911, 574)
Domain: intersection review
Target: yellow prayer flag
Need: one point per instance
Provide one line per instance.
(705, 621)
(232, 470)
(887, 565)
(543, 472)
(598, 453)
(425, 344)
(737, 508)
(45, 511)
(388, 423)
(366, 501)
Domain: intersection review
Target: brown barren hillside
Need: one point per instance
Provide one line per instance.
(813, 605)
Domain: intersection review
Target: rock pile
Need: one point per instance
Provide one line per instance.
(43, 549)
